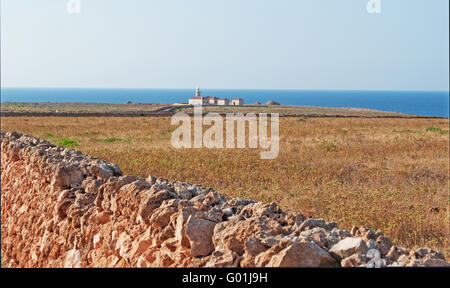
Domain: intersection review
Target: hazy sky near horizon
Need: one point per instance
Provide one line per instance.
(234, 44)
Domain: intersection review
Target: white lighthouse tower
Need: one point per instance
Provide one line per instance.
(198, 99)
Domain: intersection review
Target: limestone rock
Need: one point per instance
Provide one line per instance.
(180, 232)
(152, 200)
(223, 258)
(354, 260)
(73, 259)
(233, 234)
(349, 246)
(436, 262)
(161, 216)
(302, 254)
(199, 233)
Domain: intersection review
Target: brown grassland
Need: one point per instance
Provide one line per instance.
(77, 107)
(385, 174)
(292, 110)
(54, 108)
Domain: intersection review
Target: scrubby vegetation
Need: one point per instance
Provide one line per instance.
(437, 129)
(69, 143)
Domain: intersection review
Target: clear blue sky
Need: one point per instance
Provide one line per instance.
(255, 44)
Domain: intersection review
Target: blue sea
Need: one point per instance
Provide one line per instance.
(430, 103)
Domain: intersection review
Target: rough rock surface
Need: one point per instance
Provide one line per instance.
(349, 246)
(60, 208)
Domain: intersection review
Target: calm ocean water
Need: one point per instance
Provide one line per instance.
(409, 102)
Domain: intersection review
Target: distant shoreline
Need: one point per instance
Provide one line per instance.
(427, 103)
(15, 114)
(81, 109)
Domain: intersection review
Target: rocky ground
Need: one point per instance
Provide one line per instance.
(61, 208)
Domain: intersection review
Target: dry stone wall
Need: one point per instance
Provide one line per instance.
(60, 208)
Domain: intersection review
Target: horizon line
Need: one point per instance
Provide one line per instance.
(286, 89)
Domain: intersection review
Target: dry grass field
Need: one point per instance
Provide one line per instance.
(293, 110)
(387, 174)
(77, 107)
(51, 107)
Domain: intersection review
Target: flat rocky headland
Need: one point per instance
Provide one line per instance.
(44, 109)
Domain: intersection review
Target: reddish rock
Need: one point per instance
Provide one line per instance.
(349, 246)
(223, 258)
(302, 254)
(233, 234)
(354, 260)
(199, 232)
(180, 232)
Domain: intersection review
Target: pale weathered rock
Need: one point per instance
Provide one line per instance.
(102, 171)
(320, 236)
(212, 198)
(123, 244)
(302, 254)
(161, 216)
(233, 234)
(403, 260)
(223, 258)
(73, 259)
(254, 246)
(152, 200)
(340, 234)
(395, 252)
(180, 232)
(349, 246)
(260, 209)
(312, 223)
(151, 179)
(262, 259)
(200, 232)
(354, 260)
(67, 175)
(97, 240)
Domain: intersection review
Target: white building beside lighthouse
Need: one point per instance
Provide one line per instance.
(237, 102)
(211, 100)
